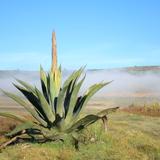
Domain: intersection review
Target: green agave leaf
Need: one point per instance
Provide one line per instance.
(75, 135)
(60, 106)
(107, 111)
(59, 76)
(60, 102)
(24, 126)
(57, 79)
(52, 88)
(27, 86)
(12, 116)
(95, 88)
(73, 76)
(81, 103)
(45, 106)
(82, 123)
(34, 101)
(73, 100)
(44, 85)
(43, 76)
(25, 105)
(70, 83)
(89, 119)
(65, 95)
(68, 95)
(55, 137)
(18, 99)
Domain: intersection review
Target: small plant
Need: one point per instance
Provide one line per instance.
(56, 109)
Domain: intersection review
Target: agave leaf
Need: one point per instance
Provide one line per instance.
(73, 76)
(44, 84)
(68, 94)
(95, 88)
(18, 99)
(73, 100)
(75, 137)
(89, 93)
(34, 101)
(27, 86)
(59, 108)
(52, 88)
(12, 116)
(26, 125)
(70, 83)
(47, 109)
(25, 105)
(54, 137)
(106, 111)
(82, 123)
(43, 76)
(57, 79)
(59, 76)
(64, 99)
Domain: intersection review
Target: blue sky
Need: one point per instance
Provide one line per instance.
(96, 33)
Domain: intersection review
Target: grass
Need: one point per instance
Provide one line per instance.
(149, 110)
(129, 137)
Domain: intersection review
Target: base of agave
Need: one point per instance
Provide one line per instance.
(42, 135)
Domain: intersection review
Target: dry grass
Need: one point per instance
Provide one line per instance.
(147, 110)
(6, 125)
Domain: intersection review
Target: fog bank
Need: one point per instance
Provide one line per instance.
(125, 84)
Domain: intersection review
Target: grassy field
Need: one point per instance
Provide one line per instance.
(129, 137)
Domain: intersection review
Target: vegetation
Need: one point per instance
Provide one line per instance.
(148, 110)
(129, 137)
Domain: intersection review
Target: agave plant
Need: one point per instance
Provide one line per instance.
(56, 109)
